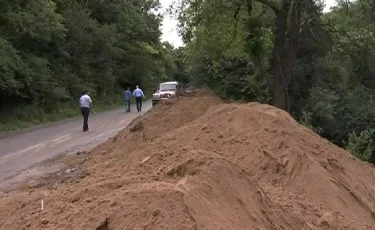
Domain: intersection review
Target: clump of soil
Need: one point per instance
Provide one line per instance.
(137, 126)
(203, 164)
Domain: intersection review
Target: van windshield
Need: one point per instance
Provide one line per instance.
(168, 87)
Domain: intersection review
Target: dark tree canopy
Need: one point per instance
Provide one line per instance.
(318, 66)
(53, 50)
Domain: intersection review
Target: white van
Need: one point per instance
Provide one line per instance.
(165, 91)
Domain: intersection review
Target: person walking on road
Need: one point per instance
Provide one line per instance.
(85, 102)
(138, 94)
(127, 97)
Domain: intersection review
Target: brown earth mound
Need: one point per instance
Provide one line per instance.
(201, 164)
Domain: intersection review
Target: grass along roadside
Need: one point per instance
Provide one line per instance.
(22, 117)
(31, 115)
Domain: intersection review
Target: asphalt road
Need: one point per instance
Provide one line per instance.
(23, 149)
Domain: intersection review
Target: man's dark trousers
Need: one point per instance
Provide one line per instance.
(85, 113)
(138, 100)
(127, 105)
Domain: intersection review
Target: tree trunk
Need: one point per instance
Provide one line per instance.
(284, 58)
(279, 89)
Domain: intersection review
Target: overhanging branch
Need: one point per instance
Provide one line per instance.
(249, 7)
(235, 31)
(275, 5)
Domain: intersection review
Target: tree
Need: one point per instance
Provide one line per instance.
(317, 66)
(52, 50)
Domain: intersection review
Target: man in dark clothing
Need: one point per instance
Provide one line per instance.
(127, 98)
(138, 94)
(85, 102)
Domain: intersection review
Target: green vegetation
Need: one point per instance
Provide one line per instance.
(29, 115)
(52, 50)
(361, 145)
(318, 66)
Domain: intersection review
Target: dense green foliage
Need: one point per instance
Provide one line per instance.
(52, 50)
(361, 145)
(318, 66)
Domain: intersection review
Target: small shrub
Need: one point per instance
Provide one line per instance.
(361, 145)
(305, 119)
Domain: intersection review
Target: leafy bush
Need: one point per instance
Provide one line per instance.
(362, 145)
(51, 51)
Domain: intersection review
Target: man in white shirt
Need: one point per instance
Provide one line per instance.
(138, 94)
(85, 102)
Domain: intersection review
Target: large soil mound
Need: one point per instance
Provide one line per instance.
(199, 163)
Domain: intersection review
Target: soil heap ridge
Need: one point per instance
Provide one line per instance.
(199, 163)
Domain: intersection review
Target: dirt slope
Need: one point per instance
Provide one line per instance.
(199, 163)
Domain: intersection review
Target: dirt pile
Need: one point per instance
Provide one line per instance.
(201, 164)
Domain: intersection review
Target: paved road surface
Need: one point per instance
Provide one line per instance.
(19, 151)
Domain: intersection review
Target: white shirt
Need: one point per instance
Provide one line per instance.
(138, 93)
(85, 101)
